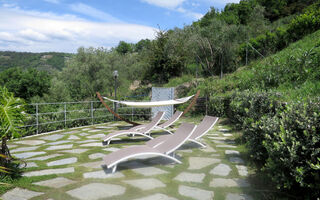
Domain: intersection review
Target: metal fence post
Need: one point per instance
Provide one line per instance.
(37, 117)
(91, 112)
(65, 114)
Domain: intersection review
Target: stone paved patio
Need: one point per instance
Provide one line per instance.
(68, 165)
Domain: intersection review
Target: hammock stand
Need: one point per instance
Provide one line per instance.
(194, 100)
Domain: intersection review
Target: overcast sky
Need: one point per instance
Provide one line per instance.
(66, 25)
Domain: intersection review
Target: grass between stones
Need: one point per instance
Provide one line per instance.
(129, 170)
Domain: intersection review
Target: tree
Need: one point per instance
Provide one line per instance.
(11, 118)
(162, 66)
(25, 83)
(124, 48)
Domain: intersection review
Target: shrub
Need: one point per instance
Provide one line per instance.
(292, 144)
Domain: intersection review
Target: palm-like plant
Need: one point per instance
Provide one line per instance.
(11, 119)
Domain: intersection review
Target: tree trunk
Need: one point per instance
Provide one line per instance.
(5, 152)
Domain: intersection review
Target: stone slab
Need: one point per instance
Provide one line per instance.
(217, 138)
(201, 162)
(83, 134)
(224, 130)
(58, 147)
(96, 136)
(195, 193)
(95, 191)
(242, 170)
(94, 131)
(236, 160)
(227, 135)
(71, 132)
(86, 141)
(93, 165)
(95, 144)
(222, 182)
(190, 177)
(149, 171)
(103, 127)
(231, 196)
(208, 149)
(111, 149)
(28, 154)
(232, 152)
(65, 161)
(24, 149)
(76, 151)
(28, 165)
(49, 172)
(59, 142)
(20, 194)
(52, 137)
(45, 157)
(145, 184)
(157, 196)
(102, 175)
(226, 146)
(96, 155)
(30, 142)
(221, 170)
(73, 137)
(56, 182)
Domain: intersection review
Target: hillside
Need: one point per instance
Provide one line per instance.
(41, 61)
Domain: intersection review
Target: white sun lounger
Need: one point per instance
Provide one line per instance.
(142, 130)
(205, 125)
(164, 149)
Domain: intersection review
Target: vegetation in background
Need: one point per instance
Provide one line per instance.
(27, 83)
(49, 61)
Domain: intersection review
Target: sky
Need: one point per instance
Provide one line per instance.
(66, 25)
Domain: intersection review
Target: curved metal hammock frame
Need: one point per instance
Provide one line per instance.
(193, 102)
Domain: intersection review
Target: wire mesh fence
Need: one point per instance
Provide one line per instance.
(44, 117)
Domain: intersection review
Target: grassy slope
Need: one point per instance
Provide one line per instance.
(294, 72)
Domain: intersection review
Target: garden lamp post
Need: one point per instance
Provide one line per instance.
(115, 75)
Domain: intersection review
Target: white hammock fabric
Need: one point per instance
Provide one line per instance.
(151, 103)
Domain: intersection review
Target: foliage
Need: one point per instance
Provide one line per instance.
(292, 141)
(12, 115)
(124, 48)
(11, 119)
(162, 66)
(49, 61)
(273, 41)
(25, 83)
(90, 70)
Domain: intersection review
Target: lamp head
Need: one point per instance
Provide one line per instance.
(115, 74)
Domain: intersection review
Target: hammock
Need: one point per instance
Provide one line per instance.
(134, 123)
(149, 104)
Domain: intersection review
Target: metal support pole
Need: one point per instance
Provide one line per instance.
(115, 96)
(132, 110)
(247, 54)
(91, 112)
(65, 115)
(37, 117)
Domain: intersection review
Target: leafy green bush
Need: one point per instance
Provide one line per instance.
(292, 143)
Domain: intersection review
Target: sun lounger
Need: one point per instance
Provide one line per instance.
(164, 149)
(142, 130)
(205, 125)
(175, 117)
